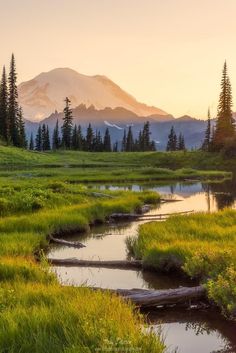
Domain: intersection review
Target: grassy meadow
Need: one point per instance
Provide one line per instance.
(36, 313)
(200, 245)
(46, 193)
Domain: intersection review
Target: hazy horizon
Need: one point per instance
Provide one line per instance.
(166, 54)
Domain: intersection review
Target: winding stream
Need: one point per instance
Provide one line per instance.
(195, 331)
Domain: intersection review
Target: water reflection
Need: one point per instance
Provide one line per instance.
(218, 195)
(115, 278)
(190, 331)
(194, 331)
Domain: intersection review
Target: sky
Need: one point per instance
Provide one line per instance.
(166, 53)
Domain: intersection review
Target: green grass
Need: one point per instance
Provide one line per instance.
(36, 313)
(16, 158)
(44, 193)
(201, 245)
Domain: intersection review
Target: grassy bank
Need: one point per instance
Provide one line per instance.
(16, 158)
(201, 245)
(36, 313)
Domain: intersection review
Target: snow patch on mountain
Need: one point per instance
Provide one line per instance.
(113, 125)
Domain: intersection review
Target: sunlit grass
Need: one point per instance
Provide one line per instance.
(36, 313)
(201, 245)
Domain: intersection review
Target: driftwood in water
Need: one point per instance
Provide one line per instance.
(74, 244)
(150, 298)
(97, 263)
(170, 200)
(135, 216)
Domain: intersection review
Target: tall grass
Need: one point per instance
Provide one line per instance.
(37, 314)
(201, 245)
(49, 319)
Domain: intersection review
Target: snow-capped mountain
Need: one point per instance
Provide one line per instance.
(45, 94)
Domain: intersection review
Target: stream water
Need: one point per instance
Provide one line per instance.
(187, 331)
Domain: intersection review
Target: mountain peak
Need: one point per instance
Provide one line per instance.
(45, 93)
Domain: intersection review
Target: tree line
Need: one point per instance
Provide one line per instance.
(71, 137)
(175, 143)
(12, 127)
(219, 135)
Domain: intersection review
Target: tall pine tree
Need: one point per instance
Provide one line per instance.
(130, 141)
(90, 139)
(56, 141)
(107, 141)
(172, 140)
(38, 140)
(67, 125)
(13, 104)
(4, 133)
(74, 141)
(22, 141)
(225, 124)
(181, 143)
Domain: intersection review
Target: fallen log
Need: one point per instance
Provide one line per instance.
(135, 216)
(124, 264)
(165, 214)
(170, 200)
(74, 244)
(150, 298)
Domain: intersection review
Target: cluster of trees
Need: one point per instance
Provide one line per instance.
(71, 137)
(222, 135)
(141, 144)
(175, 143)
(12, 128)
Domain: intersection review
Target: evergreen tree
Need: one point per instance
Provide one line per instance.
(44, 137)
(130, 141)
(81, 141)
(56, 141)
(146, 144)
(181, 143)
(107, 141)
(225, 124)
(172, 140)
(4, 133)
(22, 141)
(47, 142)
(115, 147)
(124, 141)
(75, 142)
(207, 140)
(31, 144)
(67, 125)
(38, 139)
(13, 104)
(98, 143)
(89, 139)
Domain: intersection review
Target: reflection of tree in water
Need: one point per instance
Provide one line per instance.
(172, 188)
(201, 322)
(199, 328)
(224, 193)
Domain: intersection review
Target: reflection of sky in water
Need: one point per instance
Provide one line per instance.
(179, 188)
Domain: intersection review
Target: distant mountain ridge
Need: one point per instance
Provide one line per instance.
(46, 92)
(118, 119)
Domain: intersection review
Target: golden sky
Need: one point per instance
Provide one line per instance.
(167, 53)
